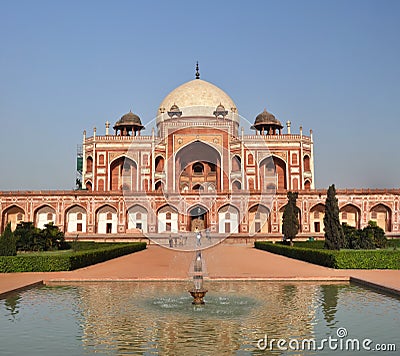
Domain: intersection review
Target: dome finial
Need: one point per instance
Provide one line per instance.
(197, 71)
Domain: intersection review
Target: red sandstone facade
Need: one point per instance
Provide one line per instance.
(197, 168)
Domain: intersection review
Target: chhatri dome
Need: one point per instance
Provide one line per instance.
(197, 98)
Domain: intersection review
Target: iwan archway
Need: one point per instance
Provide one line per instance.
(198, 168)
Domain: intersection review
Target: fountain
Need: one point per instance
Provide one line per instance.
(198, 292)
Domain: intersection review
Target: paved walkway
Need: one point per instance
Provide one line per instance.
(222, 262)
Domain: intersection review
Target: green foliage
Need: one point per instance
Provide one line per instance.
(334, 237)
(317, 256)
(7, 242)
(393, 243)
(355, 239)
(30, 238)
(66, 261)
(344, 259)
(26, 234)
(376, 233)
(371, 237)
(290, 218)
(319, 245)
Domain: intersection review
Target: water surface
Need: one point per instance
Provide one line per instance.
(157, 318)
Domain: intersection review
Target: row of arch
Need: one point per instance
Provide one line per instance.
(229, 218)
(106, 218)
(123, 172)
(351, 215)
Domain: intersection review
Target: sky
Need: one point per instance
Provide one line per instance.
(332, 66)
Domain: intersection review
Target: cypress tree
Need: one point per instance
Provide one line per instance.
(290, 218)
(334, 236)
(7, 242)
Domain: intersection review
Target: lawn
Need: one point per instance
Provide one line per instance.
(81, 255)
(314, 252)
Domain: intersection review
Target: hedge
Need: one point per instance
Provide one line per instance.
(343, 259)
(66, 261)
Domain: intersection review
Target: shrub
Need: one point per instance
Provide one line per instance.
(66, 261)
(317, 256)
(343, 259)
(371, 237)
(30, 238)
(310, 244)
(7, 242)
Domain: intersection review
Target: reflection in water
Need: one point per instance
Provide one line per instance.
(11, 304)
(157, 318)
(160, 316)
(329, 302)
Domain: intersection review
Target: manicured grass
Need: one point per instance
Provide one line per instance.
(343, 259)
(67, 260)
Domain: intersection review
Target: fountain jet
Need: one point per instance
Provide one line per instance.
(198, 292)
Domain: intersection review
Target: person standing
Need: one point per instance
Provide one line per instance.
(208, 235)
(198, 236)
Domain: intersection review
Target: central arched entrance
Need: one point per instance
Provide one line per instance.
(198, 168)
(198, 218)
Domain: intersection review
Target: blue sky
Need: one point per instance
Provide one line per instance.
(332, 66)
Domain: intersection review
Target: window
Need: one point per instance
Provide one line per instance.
(109, 216)
(101, 160)
(145, 160)
(168, 215)
(49, 216)
(20, 217)
(138, 216)
(306, 164)
(89, 164)
(294, 159)
(250, 159)
(198, 168)
(374, 215)
(227, 216)
(79, 216)
(316, 215)
(344, 215)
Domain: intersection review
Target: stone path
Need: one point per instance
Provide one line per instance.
(222, 262)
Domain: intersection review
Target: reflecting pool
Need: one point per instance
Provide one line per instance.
(158, 318)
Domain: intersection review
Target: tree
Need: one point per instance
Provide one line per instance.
(376, 234)
(356, 239)
(334, 237)
(8, 245)
(27, 235)
(52, 238)
(290, 218)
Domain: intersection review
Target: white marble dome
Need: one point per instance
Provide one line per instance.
(197, 98)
